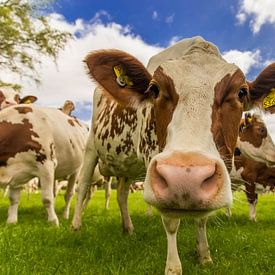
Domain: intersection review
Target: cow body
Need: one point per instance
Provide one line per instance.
(256, 177)
(255, 152)
(176, 123)
(39, 142)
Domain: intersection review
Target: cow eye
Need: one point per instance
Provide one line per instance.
(262, 131)
(242, 93)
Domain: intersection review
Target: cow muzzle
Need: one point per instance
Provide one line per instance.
(186, 181)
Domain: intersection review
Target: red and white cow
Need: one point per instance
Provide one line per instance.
(256, 177)
(255, 152)
(175, 123)
(39, 142)
(254, 140)
(10, 96)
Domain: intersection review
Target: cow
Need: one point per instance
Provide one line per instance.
(10, 96)
(39, 142)
(256, 177)
(67, 107)
(136, 186)
(254, 140)
(176, 123)
(255, 152)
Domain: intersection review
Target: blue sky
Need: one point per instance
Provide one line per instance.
(243, 30)
(158, 21)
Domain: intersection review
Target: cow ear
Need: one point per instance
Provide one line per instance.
(121, 75)
(28, 99)
(262, 89)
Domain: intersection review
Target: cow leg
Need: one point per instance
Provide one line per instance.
(14, 196)
(252, 198)
(108, 189)
(122, 198)
(88, 196)
(202, 244)
(85, 178)
(47, 183)
(173, 264)
(6, 191)
(149, 210)
(228, 212)
(68, 195)
(252, 209)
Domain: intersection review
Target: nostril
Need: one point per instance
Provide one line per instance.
(158, 177)
(209, 184)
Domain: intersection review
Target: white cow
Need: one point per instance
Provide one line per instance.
(39, 142)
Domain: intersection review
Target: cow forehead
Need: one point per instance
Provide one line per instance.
(197, 74)
(8, 92)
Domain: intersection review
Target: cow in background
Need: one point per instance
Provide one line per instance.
(256, 177)
(67, 107)
(254, 140)
(39, 142)
(9, 96)
(177, 122)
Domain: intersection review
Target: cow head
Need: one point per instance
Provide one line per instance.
(68, 107)
(9, 97)
(197, 101)
(254, 140)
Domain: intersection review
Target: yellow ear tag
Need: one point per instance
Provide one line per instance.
(28, 101)
(249, 120)
(269, 100)
(121, 78)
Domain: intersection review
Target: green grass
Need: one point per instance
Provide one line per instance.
(238, 246)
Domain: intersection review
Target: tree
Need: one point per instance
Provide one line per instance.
(25, 35)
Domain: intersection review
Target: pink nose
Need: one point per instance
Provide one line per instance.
(186, 181)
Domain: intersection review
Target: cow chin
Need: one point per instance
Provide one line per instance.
(190, 183)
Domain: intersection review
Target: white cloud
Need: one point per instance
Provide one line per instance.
(258, 12)
(245, 60)
(68, 79)
(155, 15)
(170, 19)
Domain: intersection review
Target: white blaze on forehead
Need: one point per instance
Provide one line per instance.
(195, 66)
(195, 78)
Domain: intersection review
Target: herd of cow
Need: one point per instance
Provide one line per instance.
(176, 124)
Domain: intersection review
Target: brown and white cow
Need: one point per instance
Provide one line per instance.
(10, 96)
(67, 107)
(39, 142)
(256, 177)
(254, 140)
(175, 122)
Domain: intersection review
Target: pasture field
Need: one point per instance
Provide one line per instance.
(238, 246)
